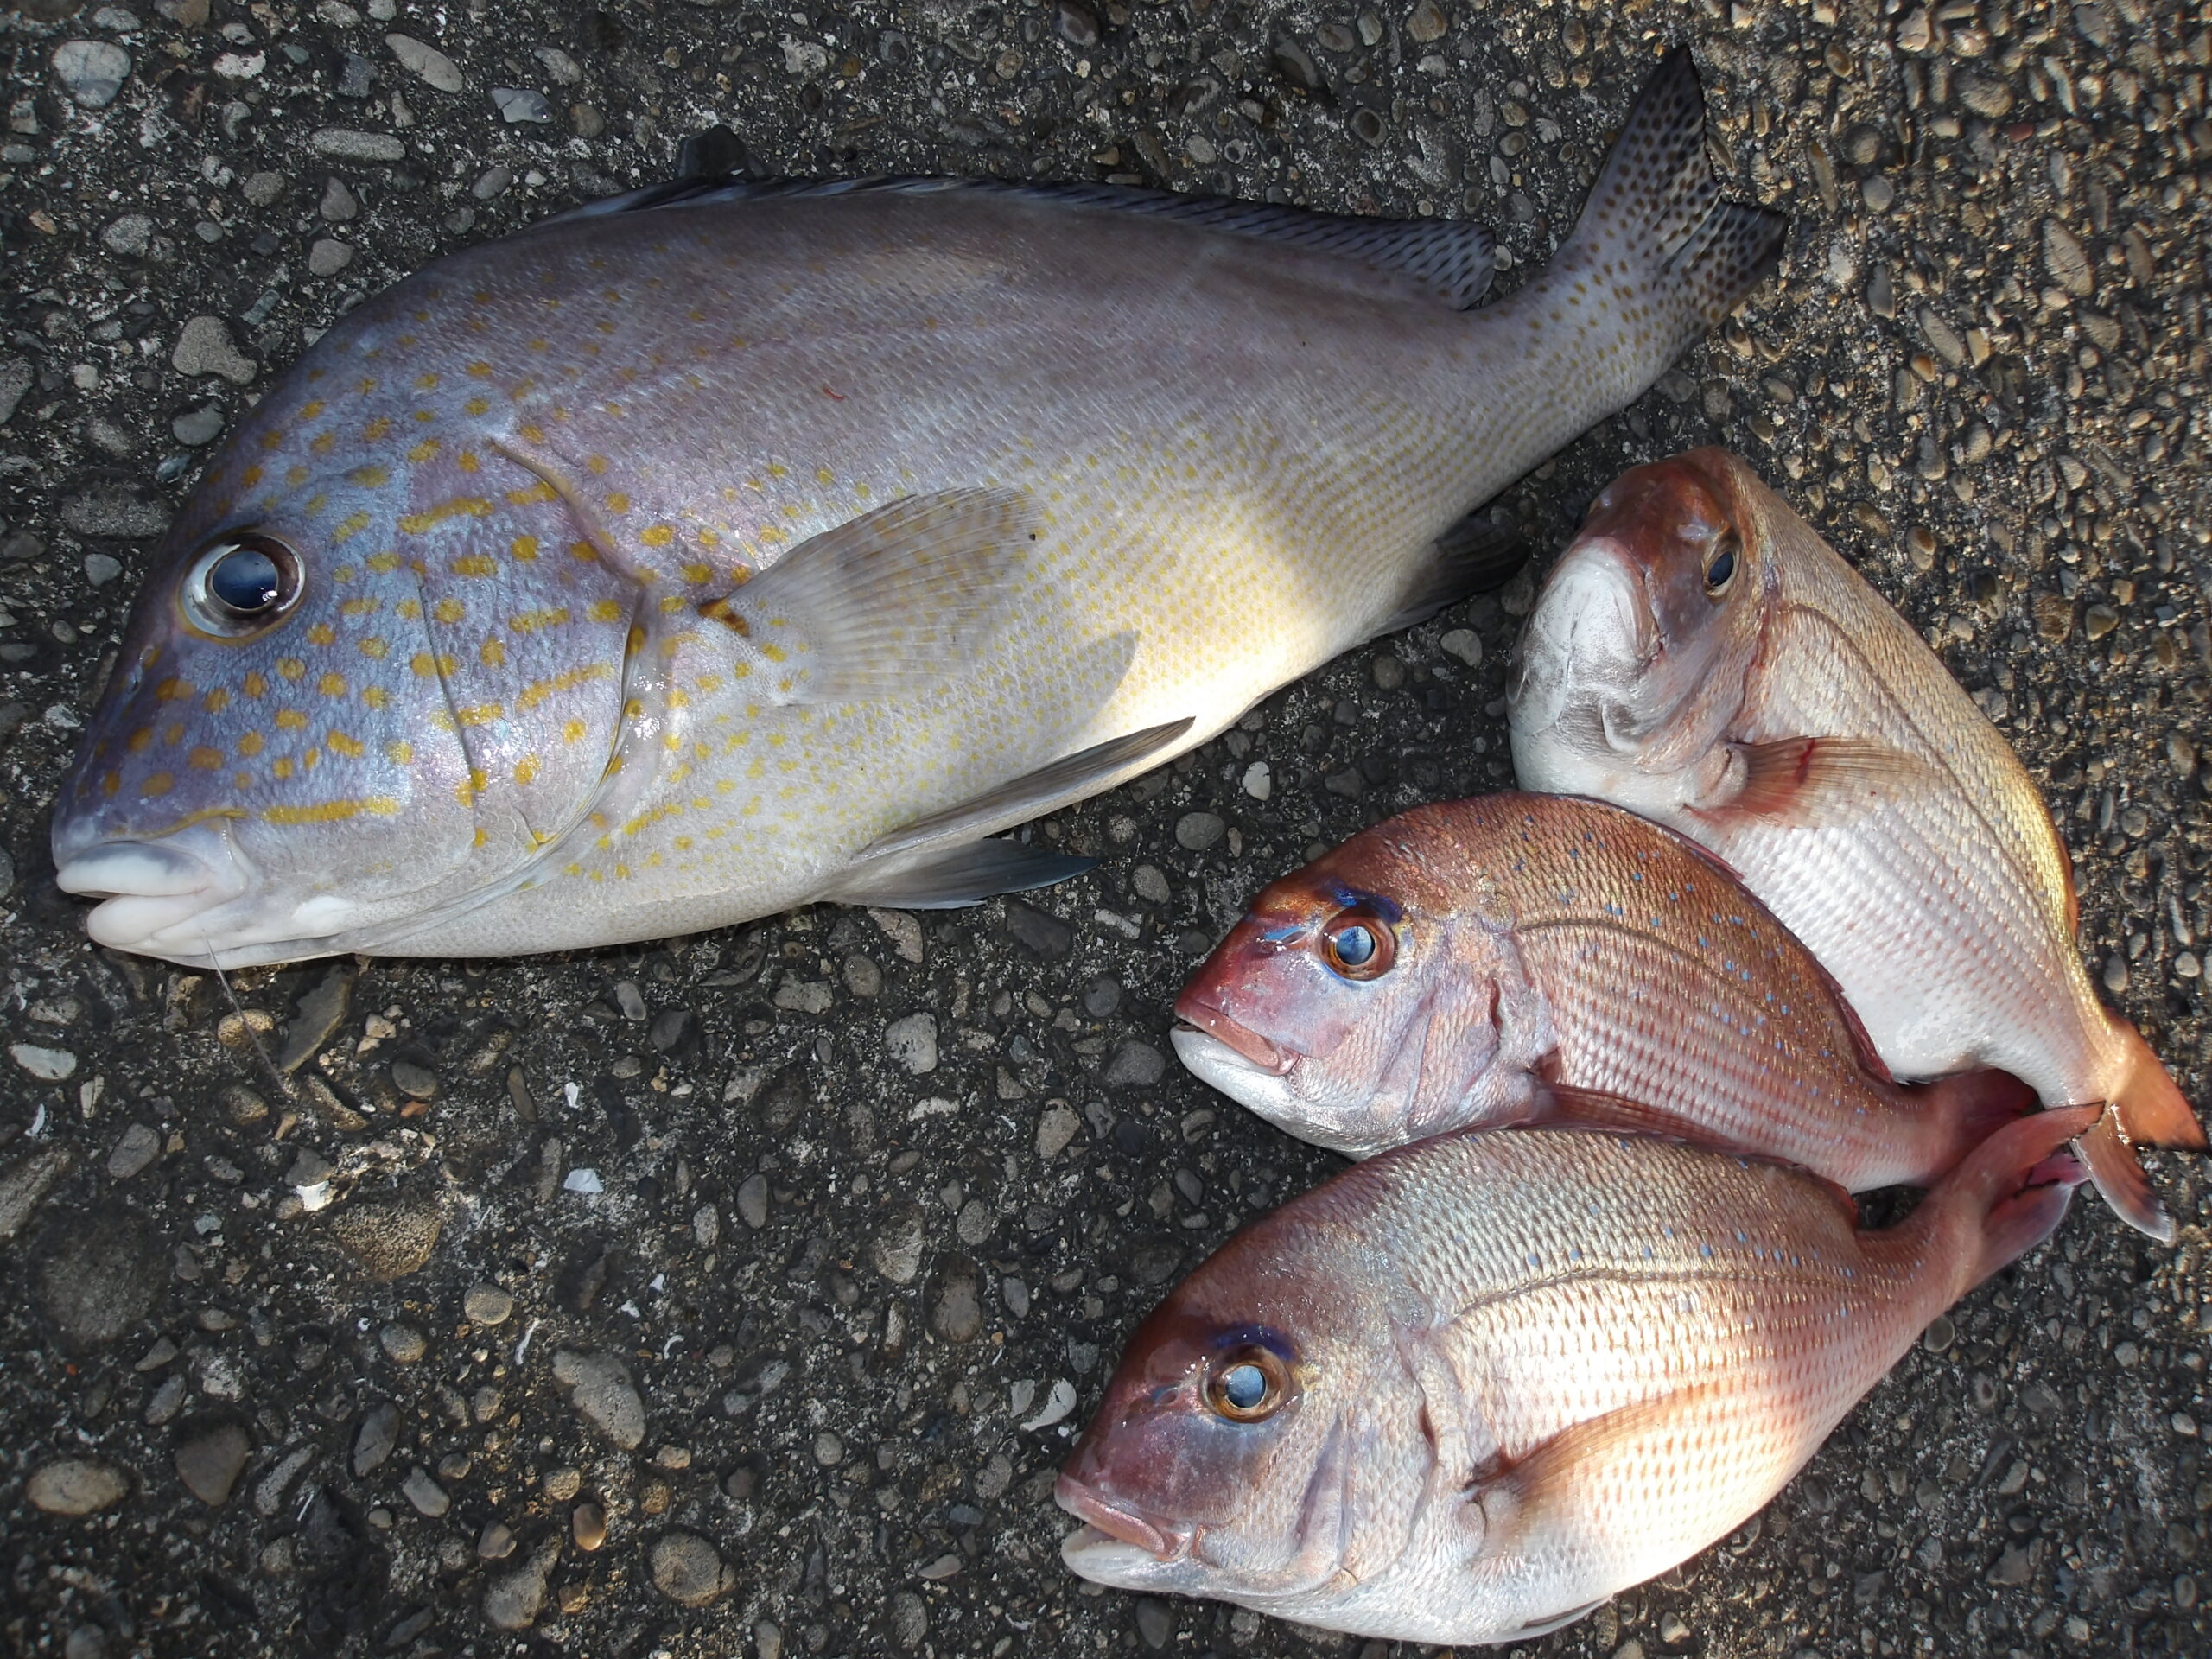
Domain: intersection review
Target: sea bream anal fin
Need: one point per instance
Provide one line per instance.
(1449, 259)
(884, 604)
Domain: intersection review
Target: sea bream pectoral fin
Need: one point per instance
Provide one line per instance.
(1811, 780)
(895, 601)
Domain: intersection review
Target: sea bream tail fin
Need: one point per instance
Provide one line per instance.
(2147, 1109)
(882, 604)
(2007, 1198)
(1473, 557)
(1656, 210)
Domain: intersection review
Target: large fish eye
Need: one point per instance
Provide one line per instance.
(1249, 1385)
(241, 585)
(1359, 944)
(1720, 568)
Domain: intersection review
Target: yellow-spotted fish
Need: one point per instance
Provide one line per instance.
(653, 569)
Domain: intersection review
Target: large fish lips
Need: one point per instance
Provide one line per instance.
(189, 896)
(1593, 632)
(1119, 1543)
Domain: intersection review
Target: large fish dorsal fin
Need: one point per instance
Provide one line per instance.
(1452, 259)
(883, 604)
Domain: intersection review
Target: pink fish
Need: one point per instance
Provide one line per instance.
(1472, 1388)
(1701, 657)
(1521, 959)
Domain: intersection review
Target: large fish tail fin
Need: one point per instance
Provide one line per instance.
(2006, 1197)
(1656, 228)
(1965, 1110)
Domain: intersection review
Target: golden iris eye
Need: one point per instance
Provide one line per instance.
(1249, 1385)
(241, 585)
(1360, 945)
(1720, 568)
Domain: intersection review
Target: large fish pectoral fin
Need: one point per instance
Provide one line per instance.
(1550, 1622)
(885, 604)
(1804, 780)
(939, 861)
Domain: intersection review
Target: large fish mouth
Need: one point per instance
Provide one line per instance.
(1123, 1522)
(193, 897)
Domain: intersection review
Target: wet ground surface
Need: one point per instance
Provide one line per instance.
(741, 1294)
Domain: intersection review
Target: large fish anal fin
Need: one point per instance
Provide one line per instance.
(1070, 778)
(892, 600)
(945, 878)
(1804, 780)
(1473, 557)
(1545, 1626)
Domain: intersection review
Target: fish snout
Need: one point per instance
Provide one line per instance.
(1595, 617)
(151, 890)
(1247, 1044)
(1122, 1521)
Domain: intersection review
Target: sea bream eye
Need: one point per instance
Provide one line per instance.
(1359, 944)
(1721, 569)
(1249, 1385)
(241, 585)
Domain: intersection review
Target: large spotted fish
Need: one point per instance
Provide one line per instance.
(1472, 1388)
(1701, 656)
(651, 571)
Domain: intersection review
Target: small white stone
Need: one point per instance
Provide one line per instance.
(49, 1064)
(583, 1181)
(1258, 781)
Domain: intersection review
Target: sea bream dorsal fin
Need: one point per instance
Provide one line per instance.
(1451, 259)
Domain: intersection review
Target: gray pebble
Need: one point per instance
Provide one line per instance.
(488, 1305)
(96, 1284)
(1134, 1065)
(600, 1387)
(374, 1440)
(350, 144)
(340, 204)
(1045, 937)
(166, 1401)
(496, 1542)
(1102, 996)
(560, 68)
(862, 977)
(956, 1312)
(1197, 831)
(413, 1077)
(517, 105)
(910, 1619)
(201, 424)
(630, 1000)
(425, 1494)
(2067, 261)
(425, 63)
(328, 256)
(74, 1486)
(1056, 1128)
(896, 1250)
(25, 1183)
(911, 1043)
(1389, 673)
(491, 181)
(687, 1569)
(752, 1202)
(1155, 1624)
(513, 1601)
(120, 510)
(91, 72)
(130, 236)
(136, 1147)
(101, 569)
(210, 1462)
(1464, 644)
(205, 348)
(357, 77)
(265, 189)
(1150, 883)
(403, 1344)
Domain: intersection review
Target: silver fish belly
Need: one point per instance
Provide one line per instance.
(653, 570)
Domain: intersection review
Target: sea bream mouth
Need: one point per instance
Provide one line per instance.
(1116, 1522)
(1205, 1027)
(1594, 631)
